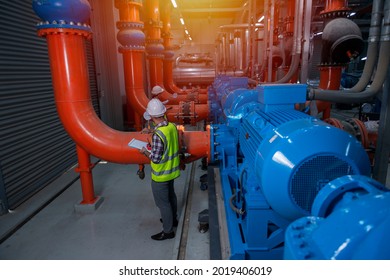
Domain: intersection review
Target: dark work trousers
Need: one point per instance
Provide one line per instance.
(166, 200)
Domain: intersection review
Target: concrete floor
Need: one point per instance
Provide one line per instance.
(119, 229)
(47, 227)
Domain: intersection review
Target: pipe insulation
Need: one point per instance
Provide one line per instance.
(380, 74)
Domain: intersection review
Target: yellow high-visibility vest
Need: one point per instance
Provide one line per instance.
(168, 168)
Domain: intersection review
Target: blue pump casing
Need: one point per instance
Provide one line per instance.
(350, 221)
(273, 161)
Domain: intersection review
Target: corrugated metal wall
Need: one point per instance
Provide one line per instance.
(34, 148)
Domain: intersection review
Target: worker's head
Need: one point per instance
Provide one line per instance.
(156, 90)
(154, 109)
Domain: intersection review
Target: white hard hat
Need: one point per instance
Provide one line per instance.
(155, 108)
(156, 90)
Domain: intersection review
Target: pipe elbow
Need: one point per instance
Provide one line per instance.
(90, 133)
(342, 41)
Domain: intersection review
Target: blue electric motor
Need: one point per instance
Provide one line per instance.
(350, 221)
(218, 91)
(274, 160)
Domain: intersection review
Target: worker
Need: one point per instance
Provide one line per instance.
(156, 91)
(164, 156)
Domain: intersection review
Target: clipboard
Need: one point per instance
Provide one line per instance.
(138, 144)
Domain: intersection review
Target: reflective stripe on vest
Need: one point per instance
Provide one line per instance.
(168, 167)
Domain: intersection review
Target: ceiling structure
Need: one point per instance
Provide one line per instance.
(210, 8)
(200, 15)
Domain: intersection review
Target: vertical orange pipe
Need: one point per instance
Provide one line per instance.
(85, 170)
(289, 21)
(155, 54)
(168, 53)
(69, 70)
(133, 48)
(75, 110)
(71, 92)
(332, 6)
(330, 75)
(131, 37)
(330, 78)
(154, 47)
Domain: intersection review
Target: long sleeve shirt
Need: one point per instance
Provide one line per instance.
(157, 145)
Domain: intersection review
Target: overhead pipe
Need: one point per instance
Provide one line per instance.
(357, 93)
(240, 26)
(132, 47)
(65, 30)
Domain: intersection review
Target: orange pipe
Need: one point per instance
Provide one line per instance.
(276, 25)
(335, 5)
(71, 92)
(85, 169)
(128, 11)
(135, 94)
(168, 54)
(181, 113)
(289, 21)
(330, 78)
(155, 58)
(153, 42)
(198, 145)
(73, 101)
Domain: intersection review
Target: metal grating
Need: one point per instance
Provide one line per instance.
(35, 149)
(312, 175)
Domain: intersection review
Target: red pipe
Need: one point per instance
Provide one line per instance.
(133, 62)
(333, 6)
(71, 92)
(155, 58)
(168, 54)
(181, 113)
(199, 141)
(155, 49)
(73, 101)
(330, 78)
(289, 20)
(85, 170)
(70, 80)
